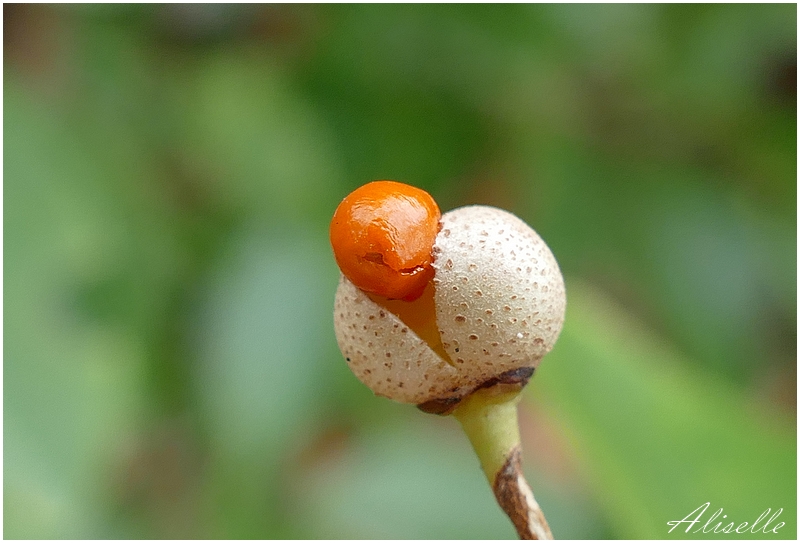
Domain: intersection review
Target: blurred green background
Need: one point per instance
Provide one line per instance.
(170, 368)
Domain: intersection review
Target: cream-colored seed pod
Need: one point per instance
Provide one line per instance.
(499, 306)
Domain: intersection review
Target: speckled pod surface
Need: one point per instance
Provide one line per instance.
(499, 302)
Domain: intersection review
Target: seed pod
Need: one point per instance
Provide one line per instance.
(498, 307)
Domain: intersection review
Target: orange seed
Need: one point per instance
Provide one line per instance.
(382, 235)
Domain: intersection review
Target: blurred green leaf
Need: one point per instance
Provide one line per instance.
(263, 146)
(415, 480)
(260, 365)
(73, 387)
(658, 437)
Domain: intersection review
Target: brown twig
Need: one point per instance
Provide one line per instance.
(516, 498)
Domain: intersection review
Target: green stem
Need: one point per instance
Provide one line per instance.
(489, 418)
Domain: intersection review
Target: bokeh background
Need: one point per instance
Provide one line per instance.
(170, 368)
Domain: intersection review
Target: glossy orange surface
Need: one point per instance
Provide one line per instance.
(382, 235)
